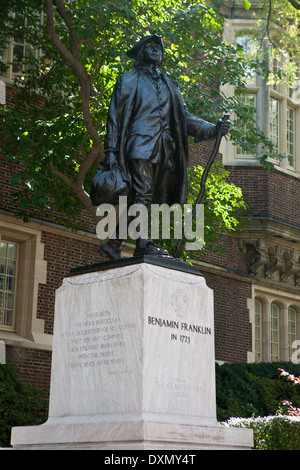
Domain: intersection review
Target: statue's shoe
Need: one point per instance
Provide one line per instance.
(151, 249)
(110, 250)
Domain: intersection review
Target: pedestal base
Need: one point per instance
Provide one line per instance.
(130, 435)
(133, 362)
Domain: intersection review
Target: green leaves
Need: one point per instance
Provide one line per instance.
(19, 405)
(225, 211)
(50, 131)
(17, 178)
(247, 4)
(224, 208)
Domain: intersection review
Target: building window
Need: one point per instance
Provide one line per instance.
(277, 103)
(18, 54)
(284, 106)
(258, 331)
(275, 345)
(291, 330)
(250, 48)
(276, 72)
(22, 269)
(275, 326)
(8, 278)
(291, 137)
(249, 103)
(274, 123)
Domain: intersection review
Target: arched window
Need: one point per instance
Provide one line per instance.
(8, 276)
(292, 316)
(275, 328)
(275, 338)
(258, 331)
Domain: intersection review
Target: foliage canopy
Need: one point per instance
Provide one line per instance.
(54, 130)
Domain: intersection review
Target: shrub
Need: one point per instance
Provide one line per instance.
(20, 405)
(271, 432)
(252, 390)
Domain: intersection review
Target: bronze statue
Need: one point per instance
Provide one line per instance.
(147, 137)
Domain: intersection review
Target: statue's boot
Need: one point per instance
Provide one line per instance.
(148, 247)
(111, 249)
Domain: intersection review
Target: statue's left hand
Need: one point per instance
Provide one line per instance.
(223, 126)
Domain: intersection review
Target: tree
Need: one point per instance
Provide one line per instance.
(279, 21)
(54, 131)
(223, 205)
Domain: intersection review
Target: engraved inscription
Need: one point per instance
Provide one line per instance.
(183, 327)
(99, 339)
(179, 388)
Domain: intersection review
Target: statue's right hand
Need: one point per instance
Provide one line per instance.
(110, 161)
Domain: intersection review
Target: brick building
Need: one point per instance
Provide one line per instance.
(255, 280)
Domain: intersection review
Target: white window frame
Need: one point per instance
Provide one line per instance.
(292, 329)
(287, 100)
(271, 334)
(274, 123)
(234, 28)
(291, 145)
(32, 271)
(11, 325)
(8, 53)
(258, 331)
(239, 151)
(275, 333)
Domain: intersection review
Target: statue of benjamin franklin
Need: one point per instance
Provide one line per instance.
(147, 136)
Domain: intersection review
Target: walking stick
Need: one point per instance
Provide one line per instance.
(202, 187)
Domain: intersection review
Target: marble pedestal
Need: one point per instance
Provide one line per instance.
(133, 363)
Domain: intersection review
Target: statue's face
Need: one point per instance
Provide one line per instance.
(152, 53)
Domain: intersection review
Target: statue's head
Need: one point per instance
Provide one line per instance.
(149, 50)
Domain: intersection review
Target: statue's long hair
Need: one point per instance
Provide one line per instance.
(140, 57)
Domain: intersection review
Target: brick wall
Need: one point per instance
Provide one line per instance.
(7, 170)
(62, 253)
(271, 194)
(231, 317)
(33, 366)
